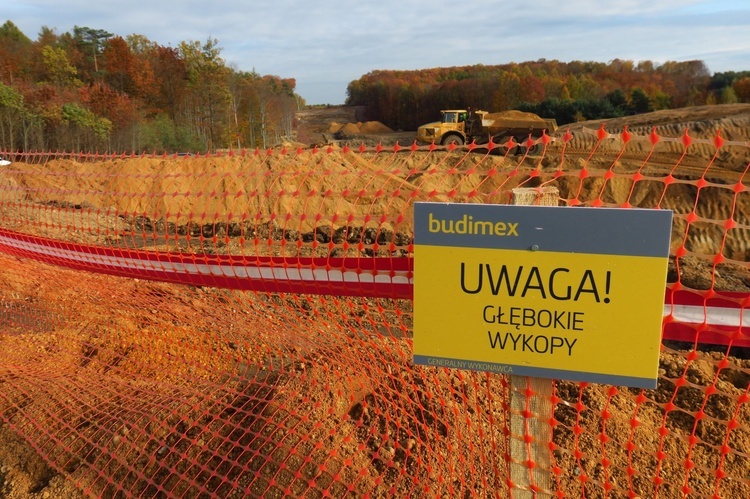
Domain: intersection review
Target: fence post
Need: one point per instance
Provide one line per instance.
(531, 403)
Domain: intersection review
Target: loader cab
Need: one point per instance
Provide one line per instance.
(455, 119)
(450, 117)
(454, 116)
(451, 127)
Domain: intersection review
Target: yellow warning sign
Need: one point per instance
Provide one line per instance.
(496, 290)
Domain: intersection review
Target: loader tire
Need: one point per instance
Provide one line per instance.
(456, 139)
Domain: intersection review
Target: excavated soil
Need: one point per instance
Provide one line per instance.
(339, 370)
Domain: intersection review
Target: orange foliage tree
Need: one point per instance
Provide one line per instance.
(92, 90)
(742, 89)
(406, 99)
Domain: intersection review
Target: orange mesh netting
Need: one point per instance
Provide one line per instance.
(240, 325)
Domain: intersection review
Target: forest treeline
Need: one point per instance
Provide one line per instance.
(90, 90)
(568, 92)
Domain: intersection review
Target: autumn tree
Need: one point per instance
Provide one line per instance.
(728, 96)
(15, 53)
(11, 112)
(208, 103)
(42, 106)
(60, 72)
(689, 81)
(741, 89)
(244, 97)
(263, 109)
(278, 107)
(509, 92)
(119, 65)
(532, 88)
(37, 70)
(81, 129)
(172, 81)
(118, 108)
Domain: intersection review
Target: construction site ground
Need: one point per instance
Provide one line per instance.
(24, 474)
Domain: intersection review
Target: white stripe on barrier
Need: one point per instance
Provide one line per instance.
(691, 314)
(714, 316)
(234, 269)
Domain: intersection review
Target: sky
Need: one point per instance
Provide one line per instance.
(326, 44)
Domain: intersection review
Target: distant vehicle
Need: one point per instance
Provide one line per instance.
(4, 162)
(461, 126)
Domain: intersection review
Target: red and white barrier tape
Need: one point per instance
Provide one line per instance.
(707, 317)
(377, 277)
(689, 315)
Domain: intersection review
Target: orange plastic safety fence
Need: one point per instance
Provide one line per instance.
(240, 325)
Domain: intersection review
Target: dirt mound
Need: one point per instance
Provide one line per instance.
(334, 127)
(347, 131)
(374, 127)
(351, 129)
(514, 115)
